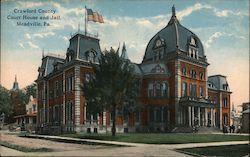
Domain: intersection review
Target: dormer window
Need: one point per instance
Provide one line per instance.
(70, 54)
(158, 43)
(158, 48)
(91, 55)
(158, 69)
(225, 86)
(193, 42)
(193, 48)
(69, 58)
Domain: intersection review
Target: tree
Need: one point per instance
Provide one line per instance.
(111, 86)
(28, 91)
(4, 101)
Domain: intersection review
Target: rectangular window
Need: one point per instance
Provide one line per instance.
(95, 116)
(125, 114)
(215, 100)
(137, 116)
(158, 90)
(56, 89)
(201, 91)
(151, 114)
(225, 102)
(34, 107)
(201, 75)
(184, 71)
(158, 114)
(184, 89)
(193, 90)
(190, 89)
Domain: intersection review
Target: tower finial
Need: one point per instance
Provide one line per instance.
(15, 78)
(173, 10)
(43, 52)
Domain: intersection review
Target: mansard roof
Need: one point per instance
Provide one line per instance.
(48, 63)
(219, 82)
(175, 37)
(81, 45)
(154, 68)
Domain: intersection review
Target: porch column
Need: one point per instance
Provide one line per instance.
(206, 121)
(212, 118)
(199, 117)
(162, 110)
(192, 115)
(189, 116)
(85, 113)
(184, 115)
(203, 117)
(168, 115)
(154, 110)
(180, 111)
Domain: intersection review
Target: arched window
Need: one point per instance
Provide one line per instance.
(165, 89)
(158, 69)
(192, 48)
(158, 89)
(150, 90)
(193, 42)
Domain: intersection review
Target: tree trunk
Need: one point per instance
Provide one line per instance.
(114, 119)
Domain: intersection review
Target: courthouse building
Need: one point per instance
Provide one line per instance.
(174, 89)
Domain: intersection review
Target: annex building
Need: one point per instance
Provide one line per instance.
(174, 89)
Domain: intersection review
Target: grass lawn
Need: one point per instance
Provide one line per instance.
(153, 138)
(227, 151)
(22, 148)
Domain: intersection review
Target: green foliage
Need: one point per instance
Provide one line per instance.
(27, 92)
(4, 101)
(227, 151)
(111, 86)
(162, 138)
(23, 148)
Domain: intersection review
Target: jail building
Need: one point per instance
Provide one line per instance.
(174, 88)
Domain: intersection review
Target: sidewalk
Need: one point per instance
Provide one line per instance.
(130, 149)
(77, 140)
(168, 146)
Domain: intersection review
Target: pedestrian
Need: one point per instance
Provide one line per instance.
(230, 129)
(233, 127)
(224, 129)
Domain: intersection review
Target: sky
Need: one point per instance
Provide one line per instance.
(221, 25)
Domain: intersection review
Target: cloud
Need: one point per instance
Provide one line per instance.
(225, 13)
(197, 6)
(27, 35)
(42, 35)
(32, 45)
(144, 22)
(236, 36)
(65, 38)
(30, 4)
(21, 45)
(212, 38)
(112, 23)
